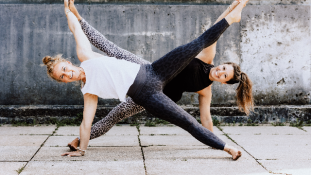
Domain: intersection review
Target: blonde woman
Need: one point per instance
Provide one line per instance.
(107, 77)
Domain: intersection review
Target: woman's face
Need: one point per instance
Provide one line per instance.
(222, 73)
(66, 72)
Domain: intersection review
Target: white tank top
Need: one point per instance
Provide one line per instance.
(108, 77)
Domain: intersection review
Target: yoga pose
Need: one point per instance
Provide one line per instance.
(196, 77)
(107, 77)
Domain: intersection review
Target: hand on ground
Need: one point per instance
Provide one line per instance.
(72, 154)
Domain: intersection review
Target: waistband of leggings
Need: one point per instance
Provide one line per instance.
(139, 81)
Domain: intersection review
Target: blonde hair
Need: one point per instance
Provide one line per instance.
(50, 62)
(244, 94)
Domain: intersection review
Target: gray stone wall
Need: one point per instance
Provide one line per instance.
(219, 2)
(272, 45)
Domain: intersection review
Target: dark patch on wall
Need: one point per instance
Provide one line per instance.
(281, 82)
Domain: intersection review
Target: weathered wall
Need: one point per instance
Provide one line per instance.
(275, 49)
(221, 2)
(272, 44)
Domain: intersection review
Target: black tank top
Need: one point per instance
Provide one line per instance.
(193, 78)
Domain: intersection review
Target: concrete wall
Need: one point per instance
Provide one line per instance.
(219, 2)
(272, 45)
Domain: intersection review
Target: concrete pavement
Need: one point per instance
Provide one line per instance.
(157, 150)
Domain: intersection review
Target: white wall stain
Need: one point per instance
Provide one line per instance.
(275, 49)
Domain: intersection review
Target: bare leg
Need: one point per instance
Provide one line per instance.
(207, 55)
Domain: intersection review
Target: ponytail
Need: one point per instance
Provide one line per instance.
(244, 94)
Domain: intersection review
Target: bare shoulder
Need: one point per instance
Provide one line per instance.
(205, 59)
(89, 96)
(87, 55)
(206, 91)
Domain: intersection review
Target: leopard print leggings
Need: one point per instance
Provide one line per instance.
(124, 109)
(161, 72)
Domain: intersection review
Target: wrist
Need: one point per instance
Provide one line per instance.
(79, 18)
(82, 152)
(67, 10)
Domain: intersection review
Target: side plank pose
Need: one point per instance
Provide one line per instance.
(107, 77)
(196, 77)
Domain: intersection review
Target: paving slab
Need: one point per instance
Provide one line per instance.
(93, 154)
(27, 140)
(201, 167)
(293, 167)
(132, 167)
(262, 130)
(189, 152)
(262, 173)
(169, 141)
(62, 141)
(26, 130)
(276, 146)
(175, 140)
(308, 129)
(125, 130)
(17, 153)
(10, 168)
(169, 130)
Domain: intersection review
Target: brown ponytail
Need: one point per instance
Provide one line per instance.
(50, 62)
(244, 94)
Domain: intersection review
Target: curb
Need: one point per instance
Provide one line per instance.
(45, 114)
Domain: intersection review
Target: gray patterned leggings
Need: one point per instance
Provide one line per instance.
(161, 72)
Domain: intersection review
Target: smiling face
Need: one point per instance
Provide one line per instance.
(66, 72)
(221, 73)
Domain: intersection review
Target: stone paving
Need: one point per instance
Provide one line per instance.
(167, 150)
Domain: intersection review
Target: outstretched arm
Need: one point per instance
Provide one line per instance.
(102, 43)
(83, 46)
(90, 105)
(207, 55)
(205, 98)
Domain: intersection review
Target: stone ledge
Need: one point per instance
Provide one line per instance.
(49, 113)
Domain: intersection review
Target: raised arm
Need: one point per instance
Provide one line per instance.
(102, 43)
(207, 55)
(83, 46)
(205, 98)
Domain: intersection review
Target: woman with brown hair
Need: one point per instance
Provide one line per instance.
(107, 77)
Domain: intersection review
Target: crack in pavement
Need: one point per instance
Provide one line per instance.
(241, 147)
(38, 150)
(142, 151)
(226, 134)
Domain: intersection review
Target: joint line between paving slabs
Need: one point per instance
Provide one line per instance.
(38, 149)
(242, 148)
(142, 151)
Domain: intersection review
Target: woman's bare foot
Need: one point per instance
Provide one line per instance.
(74, 144)
(233, 5)
(74, 10)
(235, 153)
(228, 10)
(235, 14)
